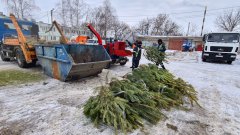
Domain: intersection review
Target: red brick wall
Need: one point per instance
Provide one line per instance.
(175, 44)
(199, 46)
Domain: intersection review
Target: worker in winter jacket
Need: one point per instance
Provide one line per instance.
(162, 48)
(137, 53)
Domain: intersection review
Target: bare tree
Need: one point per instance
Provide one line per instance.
(145, 26)
(171, 28)
(193, 31)
(62, 12)
(121, 30)
(103, 18)
(72, 12)
(21, 8)
(163, 25)
(229, 21)
(158, 24)
(96, 19)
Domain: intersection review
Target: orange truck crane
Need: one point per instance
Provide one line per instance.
(64, 40)
(19, 47)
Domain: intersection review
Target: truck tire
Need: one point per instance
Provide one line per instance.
(108, 65)
(123, 61)
(229, 62)
(3, 56)
(21, 59)
(33, 64)
(204, 59)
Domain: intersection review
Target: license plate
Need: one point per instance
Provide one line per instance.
(219, 56)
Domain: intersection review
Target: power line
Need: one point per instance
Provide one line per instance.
(40, 13)
(43, 16)
(176, 13)
(182, 17)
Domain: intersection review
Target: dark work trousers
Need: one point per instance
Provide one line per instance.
(135, 63)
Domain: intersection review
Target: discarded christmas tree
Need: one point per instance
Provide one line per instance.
(142, 95)
(153, 54)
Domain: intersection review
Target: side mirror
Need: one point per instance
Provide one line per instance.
(204, 37)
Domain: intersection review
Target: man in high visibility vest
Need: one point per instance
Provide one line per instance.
(137, 53)
(161, 48)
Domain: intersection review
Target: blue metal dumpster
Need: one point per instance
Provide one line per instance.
(66, 62)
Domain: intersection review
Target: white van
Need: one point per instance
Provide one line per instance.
(220, 47)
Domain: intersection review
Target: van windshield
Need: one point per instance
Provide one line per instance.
(223, 37)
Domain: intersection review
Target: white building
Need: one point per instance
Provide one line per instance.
(54, 35)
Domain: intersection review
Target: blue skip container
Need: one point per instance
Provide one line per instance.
(73, 61)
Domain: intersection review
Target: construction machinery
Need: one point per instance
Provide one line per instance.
(19, 47)
(116, 49)
(81, 39)
(63, 39)
(66, 61)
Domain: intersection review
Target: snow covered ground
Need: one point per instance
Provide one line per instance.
(53, 107)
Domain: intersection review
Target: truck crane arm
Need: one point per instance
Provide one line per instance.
(54, 23)
(22, 39)
(90, 27)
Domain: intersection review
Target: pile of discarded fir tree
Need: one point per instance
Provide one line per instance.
(140, 96)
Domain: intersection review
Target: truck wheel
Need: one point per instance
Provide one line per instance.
(33, 64)
(204, 60)
(108, 65)
(3, 56)
(21, 59)
(229, 62)
(114, 61)
(122, 62)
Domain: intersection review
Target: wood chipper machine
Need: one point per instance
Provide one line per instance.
(116, 50)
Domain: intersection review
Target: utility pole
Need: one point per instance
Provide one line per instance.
(52, 15)
(147, 25)
(204, 16)
(188, 29)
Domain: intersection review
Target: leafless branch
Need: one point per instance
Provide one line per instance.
(21, 8)
(229, 21)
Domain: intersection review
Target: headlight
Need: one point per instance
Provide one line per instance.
(236, 49)
(233, 56)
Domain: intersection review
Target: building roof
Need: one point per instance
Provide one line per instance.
(166, 38)
(149, 36)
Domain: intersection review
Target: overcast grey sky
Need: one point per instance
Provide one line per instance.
(131, 11)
